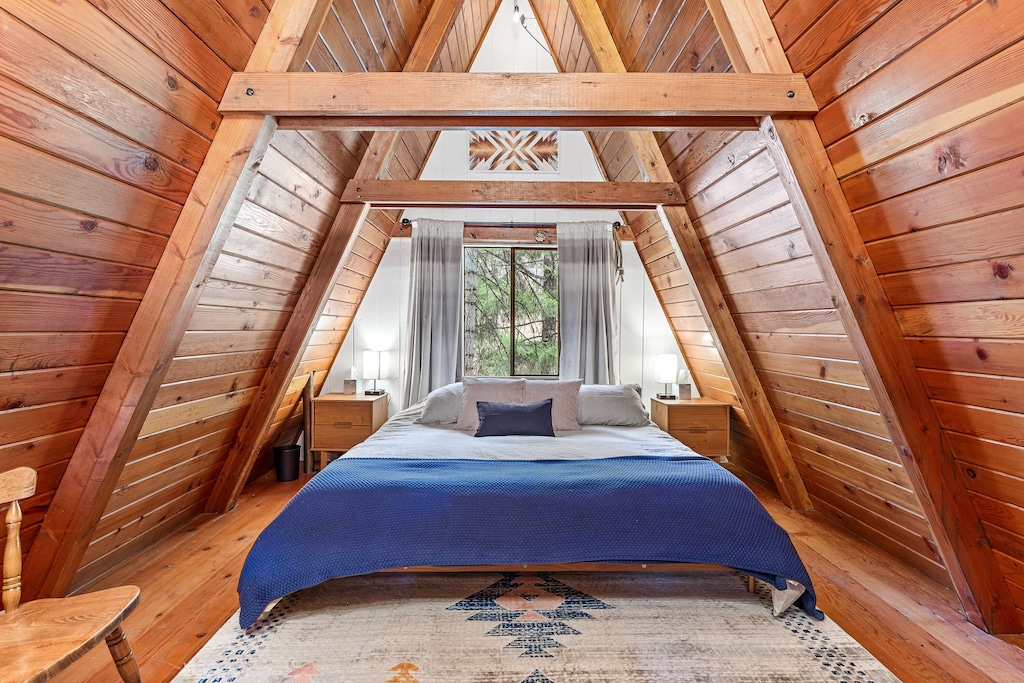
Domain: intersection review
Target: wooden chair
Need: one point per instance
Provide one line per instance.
(42, 637)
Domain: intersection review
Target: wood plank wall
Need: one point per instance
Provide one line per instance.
(675, 37)
(922, 114)
(255, 284)
(798, 345)
(108, 111)
(224, 353)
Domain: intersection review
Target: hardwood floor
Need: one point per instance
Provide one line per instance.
(904, 618)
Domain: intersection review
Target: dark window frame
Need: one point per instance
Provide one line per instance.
(513, 249)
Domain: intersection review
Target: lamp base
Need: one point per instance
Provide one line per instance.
(667, 397)
(375, 392)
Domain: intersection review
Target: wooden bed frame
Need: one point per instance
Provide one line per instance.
(576, 567)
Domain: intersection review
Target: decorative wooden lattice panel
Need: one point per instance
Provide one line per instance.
(513, 150)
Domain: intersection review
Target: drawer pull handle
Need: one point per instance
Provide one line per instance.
(697, 430)
(343, 425)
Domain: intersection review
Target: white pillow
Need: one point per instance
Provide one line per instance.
(564, 394)
(442, 405)
(620, 405)
(496, 389)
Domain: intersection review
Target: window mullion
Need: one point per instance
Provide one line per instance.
(512, 316)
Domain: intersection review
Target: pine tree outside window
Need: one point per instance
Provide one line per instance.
(510, 310)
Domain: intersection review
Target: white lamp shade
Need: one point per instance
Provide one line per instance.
(371, 364)
(665, 368)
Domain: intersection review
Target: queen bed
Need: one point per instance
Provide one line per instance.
(426, 491)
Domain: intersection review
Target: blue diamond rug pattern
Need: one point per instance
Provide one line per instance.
(531, 609)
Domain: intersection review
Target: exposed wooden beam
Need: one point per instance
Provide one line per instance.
(489, 96)
(871, 325)
(163, 315)
(335, 250)
(704, 285)
(518, 122)
(402, 194)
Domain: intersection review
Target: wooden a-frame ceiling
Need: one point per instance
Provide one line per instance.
(306, 35)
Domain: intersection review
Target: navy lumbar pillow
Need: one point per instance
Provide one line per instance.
(514, 419)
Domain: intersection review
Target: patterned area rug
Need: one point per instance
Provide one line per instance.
(533, 628)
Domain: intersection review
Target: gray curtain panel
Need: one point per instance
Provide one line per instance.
(588, 302)
(435, 308)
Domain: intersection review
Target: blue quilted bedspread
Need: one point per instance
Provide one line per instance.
(365, 514)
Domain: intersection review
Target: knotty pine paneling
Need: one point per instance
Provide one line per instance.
(921, 114)
(230, 340)
(108, 112)
(797, 343)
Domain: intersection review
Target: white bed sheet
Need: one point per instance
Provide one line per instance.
(401, 437)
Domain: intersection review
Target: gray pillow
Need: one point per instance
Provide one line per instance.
(494, 389)
(442, 406)
(564, 394)
(619, 405)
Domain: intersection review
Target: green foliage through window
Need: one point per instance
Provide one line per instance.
(511, 311)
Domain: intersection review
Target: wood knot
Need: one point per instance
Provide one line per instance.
(89, 225)
(171, 82)
(865, 118)
(7, 224)
(1002, 270)
(981, 353)
(255, 11)
(951, 156)
(151, 163)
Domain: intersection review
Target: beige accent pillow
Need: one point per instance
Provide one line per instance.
(496, 389)
(564, 393)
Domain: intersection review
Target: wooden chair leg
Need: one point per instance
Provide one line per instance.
(124, 660)
(750, 583)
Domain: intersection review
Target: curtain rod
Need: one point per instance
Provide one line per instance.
(509, 224)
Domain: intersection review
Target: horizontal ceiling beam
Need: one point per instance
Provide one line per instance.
(641, 98)
(405, 194)
(519, 122)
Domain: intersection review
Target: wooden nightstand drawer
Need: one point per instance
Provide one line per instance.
(339, 436)
(703, 440)
(700, 423)
(329, 413)
(708, 416)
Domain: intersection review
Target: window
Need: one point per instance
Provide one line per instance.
(510, 309)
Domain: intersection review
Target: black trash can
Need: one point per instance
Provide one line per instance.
(286, 462)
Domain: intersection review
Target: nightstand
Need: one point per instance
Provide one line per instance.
(700, 423)
(340, 421)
